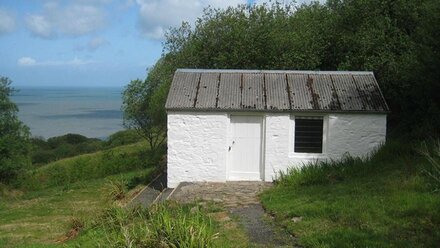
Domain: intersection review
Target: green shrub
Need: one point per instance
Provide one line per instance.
(41, 157)
(64, 146)
(14, 136)
(69, 138)
(123, 137)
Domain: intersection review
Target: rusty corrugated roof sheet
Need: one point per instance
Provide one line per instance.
(254, 90)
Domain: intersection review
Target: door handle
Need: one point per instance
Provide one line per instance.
(230, 147)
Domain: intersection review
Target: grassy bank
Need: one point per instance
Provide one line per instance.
(43, 217)
(88, 166)
(77, 202)
(41, 207)
(83, 216)
(386, 201)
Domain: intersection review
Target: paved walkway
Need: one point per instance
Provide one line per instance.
(241, 200)
(229, 194)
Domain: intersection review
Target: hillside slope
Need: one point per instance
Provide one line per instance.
(88, 166)
(62, 194)
(386, 201)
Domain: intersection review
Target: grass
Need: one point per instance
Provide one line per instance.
(161, 225)
(383, 201)
(40, 218)
(78, 204)
(432, 170)
(85, 167)
(168, 224)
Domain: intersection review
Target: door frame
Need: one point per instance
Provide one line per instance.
(262, 144)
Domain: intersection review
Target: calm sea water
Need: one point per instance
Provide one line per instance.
(93, 112)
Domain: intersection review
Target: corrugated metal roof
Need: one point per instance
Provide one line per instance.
(247, 90)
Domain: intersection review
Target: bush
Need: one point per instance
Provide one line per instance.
(71, 145)
(42, 157)
(123, 137)
(14, 136)
(64, 146)
(69, 138)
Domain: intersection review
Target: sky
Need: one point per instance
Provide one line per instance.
(89, 43)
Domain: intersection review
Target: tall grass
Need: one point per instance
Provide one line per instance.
(432, 170)
(162, 225)
(382, 201)
(115, 189)
(393, 154)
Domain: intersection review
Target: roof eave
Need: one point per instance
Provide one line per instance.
(276, 111)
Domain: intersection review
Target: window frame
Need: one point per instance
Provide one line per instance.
(292, 152)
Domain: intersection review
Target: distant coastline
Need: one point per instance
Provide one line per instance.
(54, 111)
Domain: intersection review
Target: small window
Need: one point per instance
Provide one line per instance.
(308, 134)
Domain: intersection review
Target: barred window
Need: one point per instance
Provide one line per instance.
(308, 134)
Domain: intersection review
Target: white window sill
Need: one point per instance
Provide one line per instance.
(308, 155)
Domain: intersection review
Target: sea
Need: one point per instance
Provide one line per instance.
(51, 111)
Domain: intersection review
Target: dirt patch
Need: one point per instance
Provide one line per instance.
(71, 234)
(220, 216)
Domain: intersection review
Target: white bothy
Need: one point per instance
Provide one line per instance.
(248, 125)
(198, 144)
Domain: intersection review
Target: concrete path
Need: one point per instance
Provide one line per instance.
(151, 192)
(260, 230)
(229, 194)
(241, 200)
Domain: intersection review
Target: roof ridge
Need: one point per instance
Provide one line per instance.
(270, 71)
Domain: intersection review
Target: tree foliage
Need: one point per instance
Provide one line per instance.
(144, 109)
(397, 40)
(14, 136)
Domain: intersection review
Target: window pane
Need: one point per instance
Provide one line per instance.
(308, 134)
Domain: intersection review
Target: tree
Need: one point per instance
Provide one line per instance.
(397, 40)
(144, 109)
(14, 136)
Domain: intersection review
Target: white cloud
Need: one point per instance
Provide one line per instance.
(96, 43)
(7, 22)
(39, 26)
(75, 20)
(156, 16)
(28, 61)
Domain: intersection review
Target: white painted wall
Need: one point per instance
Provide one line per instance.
(344, 134)
(197, 147)
(198, 143)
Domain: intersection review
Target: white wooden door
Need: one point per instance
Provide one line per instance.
(245, 148)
